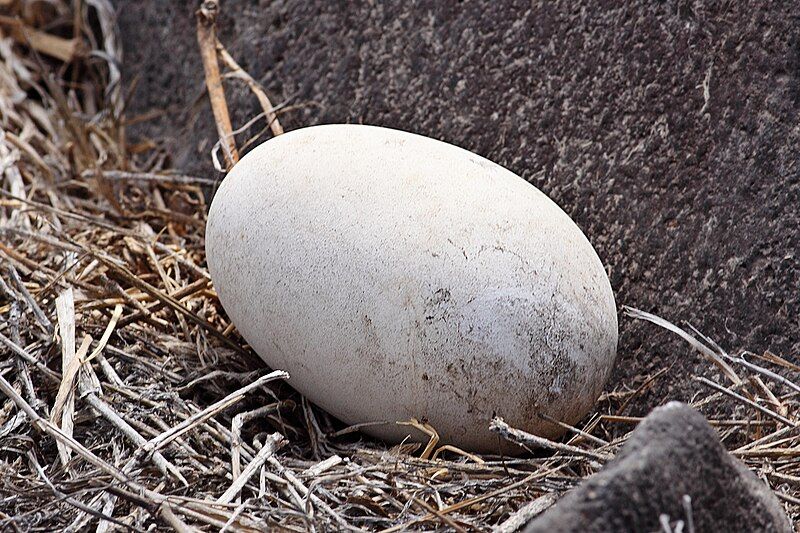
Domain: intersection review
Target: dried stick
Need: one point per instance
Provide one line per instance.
(178, 294)
(442, 517)
(142, 496)
(23, 373)
(106, 334)
(462, 504)
(765, 372)
(166, 514)
(64, 405)
(524, 514)
(236, 434)
(207, 40)
(576, 431)
(751, 403)
(107, 412)
(198, 418)
(34, 307)
(258, 90)
(322, 466)
(767, 438)
(296, 483)
(177, 179)
(168, 300)
(524, 439)
(103, 501)
(427, 429)
(14, 347)
(696, 344)
(69, 499)
(273, 444)
(52, 45)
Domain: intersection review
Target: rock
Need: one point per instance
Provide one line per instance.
(689, 196)
(396, 276)
(673, 453)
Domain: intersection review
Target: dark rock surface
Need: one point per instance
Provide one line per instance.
(673, 453)
(667, 130)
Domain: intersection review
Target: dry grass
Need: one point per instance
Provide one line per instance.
(129, 400)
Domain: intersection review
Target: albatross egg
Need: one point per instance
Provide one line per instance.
(395, 276)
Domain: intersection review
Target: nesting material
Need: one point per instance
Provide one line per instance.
(167, 371)
(398, 277)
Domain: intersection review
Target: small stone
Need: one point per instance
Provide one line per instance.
(672, 469)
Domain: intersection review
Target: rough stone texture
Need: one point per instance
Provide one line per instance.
(395, 277)
(673, 452)
(690, 201)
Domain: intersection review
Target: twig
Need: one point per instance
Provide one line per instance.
(441, 516)
(177, 295)
(236, 434)
(767, 438)
(207, 40)
(255, 87)
(106, 334)
(463, 503)
(62, 49)
(168, 300)
(751, 403)
(294, 481)
(322, 466)
(526, 513)
(23, 354)
(765, 372)
(41, 318)
(177, 179)
(45, 426)
(166, 514)
(427, 429)
(145, 497)
(198, 418)
(696, 344)
(526, 439)
(64, 405)
(126, 429)
(72, 501)
(273, 444)
(573, 429)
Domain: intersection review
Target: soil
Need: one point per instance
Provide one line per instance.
(667, 130)
(673, 454)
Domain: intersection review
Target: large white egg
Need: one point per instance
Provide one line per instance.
(395, 276)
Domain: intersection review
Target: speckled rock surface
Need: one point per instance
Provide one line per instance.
(395, 277)
(672, 454)
(689, 195)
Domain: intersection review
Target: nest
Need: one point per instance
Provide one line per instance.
(130, 402)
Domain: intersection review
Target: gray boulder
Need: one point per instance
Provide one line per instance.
(673, 454)
(668, 131)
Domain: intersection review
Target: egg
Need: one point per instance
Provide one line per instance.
(398, 277)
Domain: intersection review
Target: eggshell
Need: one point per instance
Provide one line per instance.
(396, 276)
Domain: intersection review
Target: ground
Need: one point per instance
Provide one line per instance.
(667, 130)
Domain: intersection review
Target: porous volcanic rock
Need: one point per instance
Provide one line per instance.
(672, 454)
(667, 130)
